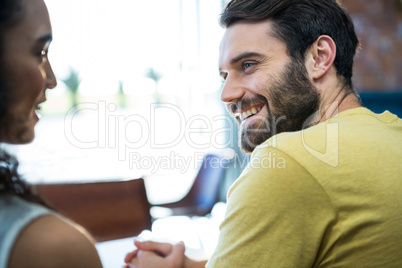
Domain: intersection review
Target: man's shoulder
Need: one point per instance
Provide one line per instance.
(295, 143)
(332, 145)
(348, 128)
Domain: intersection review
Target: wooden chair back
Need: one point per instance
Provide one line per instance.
(108, 210)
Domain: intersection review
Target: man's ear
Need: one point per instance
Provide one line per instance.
(320, 57)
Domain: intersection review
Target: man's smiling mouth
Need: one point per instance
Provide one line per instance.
(249, 112)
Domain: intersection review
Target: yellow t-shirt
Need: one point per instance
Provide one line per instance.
(327, 196)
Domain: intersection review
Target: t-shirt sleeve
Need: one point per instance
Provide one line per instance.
(277, 215)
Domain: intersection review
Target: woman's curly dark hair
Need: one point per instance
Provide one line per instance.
(11, 12)
(11, 181)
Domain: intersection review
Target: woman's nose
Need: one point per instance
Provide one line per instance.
(51, 81)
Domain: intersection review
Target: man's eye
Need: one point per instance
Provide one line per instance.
(247, 65)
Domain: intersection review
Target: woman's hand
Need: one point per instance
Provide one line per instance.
(154, 254)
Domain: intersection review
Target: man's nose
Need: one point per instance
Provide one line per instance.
(232, 90)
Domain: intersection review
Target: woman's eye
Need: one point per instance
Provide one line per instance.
(42, 55)
(223, 76)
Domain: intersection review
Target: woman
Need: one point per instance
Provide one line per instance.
(31, 235)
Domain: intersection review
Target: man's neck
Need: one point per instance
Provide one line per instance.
(344, 101)
(335, 97)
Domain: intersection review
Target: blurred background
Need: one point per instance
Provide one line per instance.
(138, 88)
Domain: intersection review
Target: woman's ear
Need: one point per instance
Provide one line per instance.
(320, 57)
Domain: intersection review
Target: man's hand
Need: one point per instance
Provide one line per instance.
(154, 254)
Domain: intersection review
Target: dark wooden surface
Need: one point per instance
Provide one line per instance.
(108, 210)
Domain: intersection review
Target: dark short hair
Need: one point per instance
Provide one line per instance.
(299, 23)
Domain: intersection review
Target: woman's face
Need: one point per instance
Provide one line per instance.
(27, 71)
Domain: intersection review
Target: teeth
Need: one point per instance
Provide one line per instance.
(250, 112)
(243, 115)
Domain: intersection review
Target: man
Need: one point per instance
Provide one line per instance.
(336, 198)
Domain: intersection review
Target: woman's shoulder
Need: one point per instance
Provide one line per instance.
(52, 241)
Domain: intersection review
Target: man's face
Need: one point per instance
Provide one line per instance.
(266, 90)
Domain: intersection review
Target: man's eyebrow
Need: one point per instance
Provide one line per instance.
(245, 55)
(240, 57)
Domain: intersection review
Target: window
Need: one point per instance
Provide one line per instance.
(138, 90)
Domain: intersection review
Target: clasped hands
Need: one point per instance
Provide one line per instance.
(154, 254)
